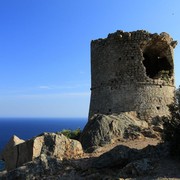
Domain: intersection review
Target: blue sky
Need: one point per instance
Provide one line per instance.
(45, 49)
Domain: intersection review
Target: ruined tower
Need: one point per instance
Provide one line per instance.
(132, 71)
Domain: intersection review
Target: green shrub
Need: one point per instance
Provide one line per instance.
(72, 134)
(172, 126)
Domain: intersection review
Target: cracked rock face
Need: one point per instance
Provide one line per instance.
(105, 129)
(50, 144)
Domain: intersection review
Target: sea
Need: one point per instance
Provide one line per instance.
(26, 128)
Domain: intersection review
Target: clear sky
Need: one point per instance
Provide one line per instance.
(45, 49)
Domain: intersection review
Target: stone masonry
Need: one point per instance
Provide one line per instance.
(132, 71)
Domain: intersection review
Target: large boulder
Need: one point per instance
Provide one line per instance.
(104, 129)
(5, 154)
(50, 144)
(14, 140)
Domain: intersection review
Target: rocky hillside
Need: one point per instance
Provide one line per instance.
(53, 156)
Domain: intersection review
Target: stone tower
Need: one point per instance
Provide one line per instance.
(132, 71)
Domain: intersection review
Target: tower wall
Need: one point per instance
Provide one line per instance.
(132, 71)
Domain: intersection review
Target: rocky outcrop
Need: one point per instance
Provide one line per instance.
(50, 168)
(118, 156)
(120, 162)
(105, 129)
(12, 142)
(8, 153)
(50, 144)
(122, 155)
(138, 168)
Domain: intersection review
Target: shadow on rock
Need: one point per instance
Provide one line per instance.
(119, 162)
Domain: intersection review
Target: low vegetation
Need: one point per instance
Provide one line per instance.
(172, 126)
(72, 134)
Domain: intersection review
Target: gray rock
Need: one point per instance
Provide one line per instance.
(120, 162)
(50, 168)
(138, 168)
(36, 169)
(51, 144)
(12, 142)
(104, 129)
(119, 156)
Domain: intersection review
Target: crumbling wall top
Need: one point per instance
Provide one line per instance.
(139, 35)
